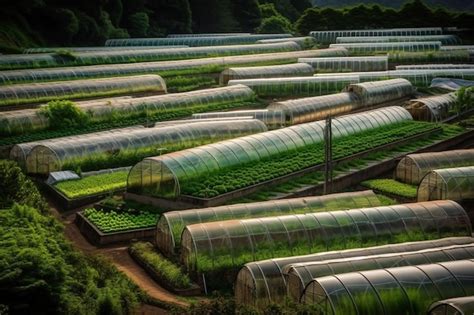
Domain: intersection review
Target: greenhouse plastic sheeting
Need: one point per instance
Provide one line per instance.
(453, 306)
(261, 283)
(401, 290)
(304, 42)
(387, 47)
(444, 39)
(413, 167)
(303, 110)
(450, 84)
(129, 56)
(271, 118)
(440, 56)
(309, 86)
(299, 275)
(289, 70)
(161, 176)
(371, 93)
(330, 36)
(22, 120)
(435, 66)
(171, 224)
(43, 92)
(432, 108)
(55, 155)
(449, 183)
(222, 245)
(344, 64)
(42, 50)
(205, 34)
(195, 40)
(81, 72)
(469, 48)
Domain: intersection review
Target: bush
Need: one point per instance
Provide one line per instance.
(275, 25)
(464, 100)
(64, 114)
(139, 24)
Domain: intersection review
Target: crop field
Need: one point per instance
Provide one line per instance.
(111, 221)
(392, 187)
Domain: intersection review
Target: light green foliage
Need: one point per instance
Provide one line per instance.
(391, 186)
(113, 221)
(64, 114)
(92, 185)
(464, 100)
(163, 268)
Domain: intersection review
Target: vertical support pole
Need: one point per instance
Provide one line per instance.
(328, 155)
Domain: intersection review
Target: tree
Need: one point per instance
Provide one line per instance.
(139, 24)
(416, 14)
(169, 16)
(247, 13)
(275, 25)
(311, 20)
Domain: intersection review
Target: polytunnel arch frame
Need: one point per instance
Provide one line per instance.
(43, 147)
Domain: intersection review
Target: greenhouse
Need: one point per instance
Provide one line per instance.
(130, 56)
(299, 275)
(43, 50)
(399, 290)
(44, 92)
(224, 245)
(441, 56)
(261, 283)
(413, 167)
(432, 108)
(185, 66)
(304, 110)
(449, 183)
(453, 306)
(304, 42)
(162, 176)
(273, 119)
(171, 224)
(301, 86)
(435, 66)
(378, 92)
(469, 48)
(444, 39)
(20, 121)
(389, 47)
(97, 148)
(205, 35)
(331, 36)
(289, 70)
(195, 41)
(347, 64)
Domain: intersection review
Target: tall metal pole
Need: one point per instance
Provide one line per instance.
(328, 156)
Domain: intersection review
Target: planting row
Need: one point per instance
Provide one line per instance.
(112, 221)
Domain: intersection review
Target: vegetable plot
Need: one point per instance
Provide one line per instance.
(112, 221)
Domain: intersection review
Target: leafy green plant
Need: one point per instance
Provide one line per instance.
(113, 221)
(64, 114)
(391, 186)
(162, 267)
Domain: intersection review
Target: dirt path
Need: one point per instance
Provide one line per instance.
(121, 259)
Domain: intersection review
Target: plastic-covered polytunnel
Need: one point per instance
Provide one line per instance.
(444, 39)
(432, 108)
(331, 36)
(200, 40)
(449, 183)
(161, 67)
(19, 121)
(347, 64)
(388, 47)
(453, 306)
(303, 110)
(40, 92)
(300, 275)
(43, 50)
(469, 48)
(129, 56)
(435, 66)
(289, 70)
(413, 167)
(171, 224)
(261, 283)
(309, 86)
(371, 93)
(440, 56)
(272, 118)
(224, 245)
(205, 35)
(162, 176)
(399, 290)
(304, 42)
(95, 150)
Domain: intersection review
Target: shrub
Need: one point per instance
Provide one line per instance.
(64, 114)
(275, 25)
(139, 24)
(464, 100)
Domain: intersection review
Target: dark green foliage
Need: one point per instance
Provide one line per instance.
(275, 24)
(64, 114)
(139, 24)
(465, 100)
(16, 187)
(247, 13)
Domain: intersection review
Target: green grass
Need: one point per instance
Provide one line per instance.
(240, 176)
(391, 186)
(163, 268)
(386, 201)
(181, 84)
(94, 184)
(113, 221)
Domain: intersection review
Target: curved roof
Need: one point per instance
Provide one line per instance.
(449, 183)
(433, 108)
(343, 64)
(462, 305)
(288, 70)
(371, 93)
(390, 46)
